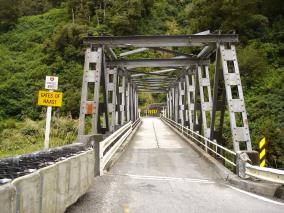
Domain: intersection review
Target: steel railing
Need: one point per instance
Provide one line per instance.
(113, 142)
(105, 149)
(135, 123)
(203, 141)
(263, 173)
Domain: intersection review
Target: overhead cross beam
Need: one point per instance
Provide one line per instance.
(131, 52)
(152, 83)
(166, 80)
(152, 91)
(171, 51)
(138, 73)
(158, 78)
(143, 49)
(154, 72)
(160, 40)
(172, 62)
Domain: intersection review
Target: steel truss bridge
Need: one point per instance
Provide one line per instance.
(175, 163)
(191, 99)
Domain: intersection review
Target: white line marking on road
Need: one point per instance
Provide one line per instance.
(156, 138)
(162, 178)
(257, 196)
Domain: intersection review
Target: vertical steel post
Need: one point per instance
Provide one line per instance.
(218, 102)
(197, 125)
(92, 74)
(111, 89)
(96, 100)
(176, 111)
(121, 98)
(205, 98)
(235, 98)
(181, 102)
(128, 101)
(190, 93)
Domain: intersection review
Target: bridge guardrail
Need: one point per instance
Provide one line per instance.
(263, 173)
(205, 142)
(135, 123)
(105, 149)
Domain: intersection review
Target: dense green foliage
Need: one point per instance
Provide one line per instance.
(45, 37)
(20, 137)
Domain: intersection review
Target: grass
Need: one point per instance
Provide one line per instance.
(21, 137)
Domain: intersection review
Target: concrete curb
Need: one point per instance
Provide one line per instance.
(261, 187)
(122, 148)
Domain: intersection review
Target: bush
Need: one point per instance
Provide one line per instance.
(20, 137)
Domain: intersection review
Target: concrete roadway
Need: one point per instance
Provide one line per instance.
(159, 172)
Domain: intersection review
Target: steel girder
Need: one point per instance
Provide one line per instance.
(160, 41)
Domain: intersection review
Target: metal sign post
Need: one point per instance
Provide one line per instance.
(49, 99)
(47, 127)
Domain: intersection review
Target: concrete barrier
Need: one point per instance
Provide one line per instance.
(81, 175)
(51, 189)
(28, 193)
(7, 198)
(74, 180)
(48, 176)
(63, 175)
(91, 167)
(83, 180)
(86, 171)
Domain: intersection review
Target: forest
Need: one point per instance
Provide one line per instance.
(44, 37)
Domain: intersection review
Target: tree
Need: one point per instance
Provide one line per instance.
(8, 14)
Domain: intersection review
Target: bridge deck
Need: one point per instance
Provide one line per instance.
(161, 173)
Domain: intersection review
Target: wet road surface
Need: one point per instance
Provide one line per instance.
(159, 172)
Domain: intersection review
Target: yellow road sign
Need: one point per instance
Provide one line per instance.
(262, 152)
(53, 99)
(262, 143)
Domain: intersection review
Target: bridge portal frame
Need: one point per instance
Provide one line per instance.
(191, 101)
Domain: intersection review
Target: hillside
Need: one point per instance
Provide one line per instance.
(46, 39)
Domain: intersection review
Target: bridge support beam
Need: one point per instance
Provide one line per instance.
(227, 76)
(190, 95)
(197, 125)
(111, 90)
(91, 87)
(205, 98)
(181, 97)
